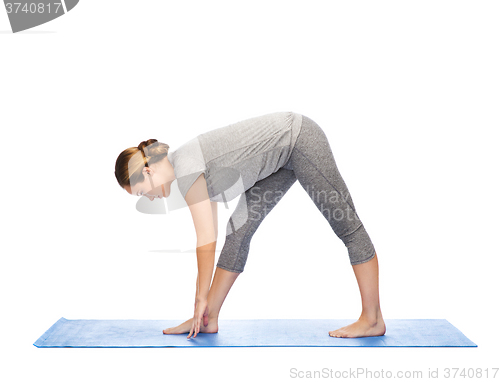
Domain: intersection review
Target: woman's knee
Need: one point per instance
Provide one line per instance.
(359, 246)
(235, 250)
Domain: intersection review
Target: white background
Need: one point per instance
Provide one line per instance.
(408, 95)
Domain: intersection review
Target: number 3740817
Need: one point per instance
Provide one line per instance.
(33, 7)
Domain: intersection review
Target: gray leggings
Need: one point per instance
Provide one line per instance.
(312, 163)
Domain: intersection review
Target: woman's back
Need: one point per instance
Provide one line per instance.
(233, 158)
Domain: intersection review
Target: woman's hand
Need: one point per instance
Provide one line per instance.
(200, 314)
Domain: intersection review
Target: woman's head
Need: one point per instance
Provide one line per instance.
(145, 169)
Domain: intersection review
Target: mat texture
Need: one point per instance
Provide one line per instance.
(249, 333)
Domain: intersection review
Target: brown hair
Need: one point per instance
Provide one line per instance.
(131, 161)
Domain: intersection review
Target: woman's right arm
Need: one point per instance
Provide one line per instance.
(215, 220)
(204, 221)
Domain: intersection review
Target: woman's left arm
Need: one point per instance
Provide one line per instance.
(204, 215)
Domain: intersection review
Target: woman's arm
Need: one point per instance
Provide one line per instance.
(204, 213)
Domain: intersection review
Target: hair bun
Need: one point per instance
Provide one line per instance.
(144, 146)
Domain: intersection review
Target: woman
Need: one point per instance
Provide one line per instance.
(260, 159)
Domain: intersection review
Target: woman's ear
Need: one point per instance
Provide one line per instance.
(147, 171)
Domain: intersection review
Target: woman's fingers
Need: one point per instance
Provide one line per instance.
(197, 326)
(200, 316)
(191, 331)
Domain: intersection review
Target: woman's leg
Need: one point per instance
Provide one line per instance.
(370, 323)
(253, 206)
(315, 168)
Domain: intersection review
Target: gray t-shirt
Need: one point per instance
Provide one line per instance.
(233, 158)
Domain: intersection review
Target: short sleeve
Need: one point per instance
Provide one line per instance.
(189, 165)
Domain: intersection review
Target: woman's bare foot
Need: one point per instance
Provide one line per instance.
(185, 327)
(362, 328)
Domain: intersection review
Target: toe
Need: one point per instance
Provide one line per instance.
(336, 333)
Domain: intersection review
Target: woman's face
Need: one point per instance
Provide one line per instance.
(157, 181)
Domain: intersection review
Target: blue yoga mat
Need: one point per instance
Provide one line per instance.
(248, 333)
